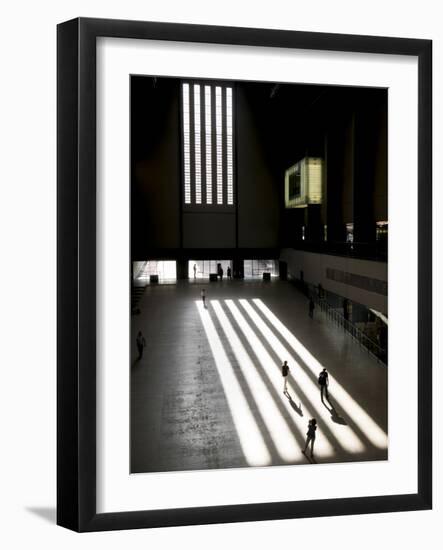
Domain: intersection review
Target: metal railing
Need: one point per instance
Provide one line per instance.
(359, 336)
(377, 250)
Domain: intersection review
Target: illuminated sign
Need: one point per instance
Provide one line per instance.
(303, 183)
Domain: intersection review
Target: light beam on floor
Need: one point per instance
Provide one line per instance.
(251, 440)
(343, 433)
(278, 429)
(322, 446)
(368, 426)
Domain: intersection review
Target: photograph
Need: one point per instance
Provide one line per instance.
(258, 274)
(226, 216)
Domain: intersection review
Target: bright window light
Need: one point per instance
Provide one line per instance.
(186, 144)
(219, 140)
(352, 409)
(208, 133)
(197, 145)
(322, 446)
(208, 144)
(277, 426)
(229, 168)
(165, 270)
(251, 439)
(343, 434)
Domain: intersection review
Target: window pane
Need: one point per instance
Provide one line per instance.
(197, 147)
(218, 124)
(186, 153)
(217, 145)
(229, 167)
(208, 126)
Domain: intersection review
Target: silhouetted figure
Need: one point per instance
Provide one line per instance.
(229, 273)
(220, 271)
(311, 308)
(195, 271)
(310, 435)
(323, 381)
(141, 344)
(203, 295)
(285, 374)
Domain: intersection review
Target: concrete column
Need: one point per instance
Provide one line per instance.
(237, 267)
(283, 270)
(365, 138)
(334, 167)
(182, 269)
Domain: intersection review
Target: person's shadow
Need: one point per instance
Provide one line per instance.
(293, 404)
(335, 417)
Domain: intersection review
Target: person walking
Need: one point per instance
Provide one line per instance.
(195, 271)
(311, 307)
(203, 295)
(310, 436)
(141, 344)
(285, 374)
(323, 381)
(229, 272)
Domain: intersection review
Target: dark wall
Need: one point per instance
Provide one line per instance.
(352, 122)
(370, 163)
(208, 230)
(380, 198)
(158, 219)
(276, 125)
(155, 165)
(258, 184)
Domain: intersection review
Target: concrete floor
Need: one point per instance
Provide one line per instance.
(208, 392)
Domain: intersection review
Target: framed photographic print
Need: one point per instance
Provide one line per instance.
(244, 274)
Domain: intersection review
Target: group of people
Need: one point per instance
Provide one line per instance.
(323, 382)
(220, 271)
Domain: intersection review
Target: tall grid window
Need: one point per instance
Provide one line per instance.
(186, 144)
(208, 144)
(219, 132)
(229, 145)
(197, 145)
(208, 137)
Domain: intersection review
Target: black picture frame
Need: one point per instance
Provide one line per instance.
(76, 278)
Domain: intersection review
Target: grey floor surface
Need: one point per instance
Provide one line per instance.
(208, 392)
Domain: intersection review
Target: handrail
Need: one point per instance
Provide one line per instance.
(372, 347)
(140, 269)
